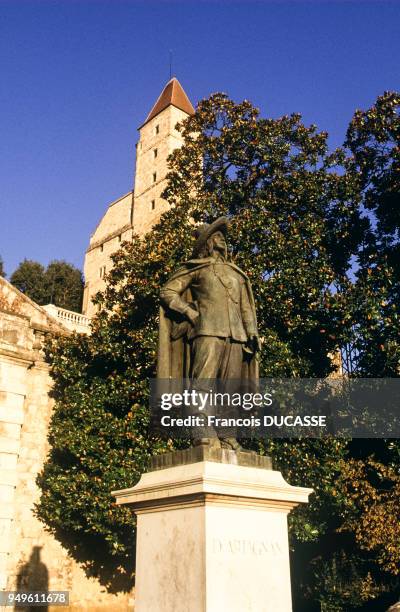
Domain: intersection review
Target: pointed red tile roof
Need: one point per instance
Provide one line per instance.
(173, 93)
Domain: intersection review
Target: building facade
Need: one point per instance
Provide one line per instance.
(138, 210)
(30, 557)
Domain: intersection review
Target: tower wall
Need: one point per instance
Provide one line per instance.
(148, 204)
(138, 211)
(114, 228)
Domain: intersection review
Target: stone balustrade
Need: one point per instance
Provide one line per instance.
(75, 321)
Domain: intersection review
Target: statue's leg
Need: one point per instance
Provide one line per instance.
(207, 354)
(231, 371)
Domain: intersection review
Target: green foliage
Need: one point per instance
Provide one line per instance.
(64, 285)
(60, 283)
(29, 278)
(297, 224)
(373, 139)
(342, 582)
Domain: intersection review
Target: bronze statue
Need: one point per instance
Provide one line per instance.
(208, 325)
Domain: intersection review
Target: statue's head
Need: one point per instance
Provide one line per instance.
(211, 238)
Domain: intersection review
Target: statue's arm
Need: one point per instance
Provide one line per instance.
(171, 294)
(248, 317)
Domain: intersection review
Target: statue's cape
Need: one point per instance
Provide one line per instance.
(173, 359)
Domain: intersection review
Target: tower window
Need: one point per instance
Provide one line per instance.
(153, 204)
(102, 271)
(154, 177)
(157, 129)
(155, 153)
(120, 238)
(101, 248)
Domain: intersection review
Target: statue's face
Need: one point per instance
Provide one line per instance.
(218, 241)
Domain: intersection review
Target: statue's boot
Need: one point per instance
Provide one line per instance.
(232, 444)
(209, 442)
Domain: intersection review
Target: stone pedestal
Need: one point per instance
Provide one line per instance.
(212, 533)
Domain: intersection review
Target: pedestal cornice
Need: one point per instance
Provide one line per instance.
(210, 482)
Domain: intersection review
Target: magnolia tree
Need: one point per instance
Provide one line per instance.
(298, 224)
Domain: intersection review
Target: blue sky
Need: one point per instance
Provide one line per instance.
(79, 77)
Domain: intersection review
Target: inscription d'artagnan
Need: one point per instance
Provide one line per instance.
(236, 546)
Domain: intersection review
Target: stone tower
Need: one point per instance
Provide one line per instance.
(138, 210)
(157, 139)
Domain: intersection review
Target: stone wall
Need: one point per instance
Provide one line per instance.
(114, 227)
(30, 557)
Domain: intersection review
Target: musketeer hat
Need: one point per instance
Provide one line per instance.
(203, 232)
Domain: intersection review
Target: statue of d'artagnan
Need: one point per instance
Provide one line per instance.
(208, 325)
